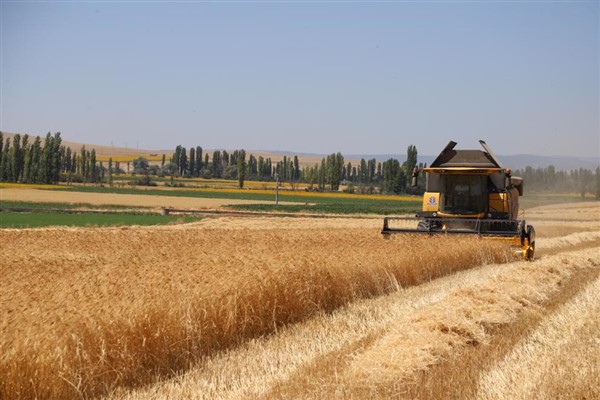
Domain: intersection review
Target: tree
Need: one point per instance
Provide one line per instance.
(335, 170)
(27, 161)
(585, 177)
(216, 164)
(192, 163)
(363, 172)
(394, 180)
(16, 162)
(67, 160)
(56, 158)
(140, 165)
(297, 171)
(35, 153)
(83, 163)
(198, 160)
(252, 167)
(93, 169)
(322, 174)
(598, 183)
(4, 162)
(411, 159)
(110, 171)
(183, 162)
(175, 158)
(241, 168)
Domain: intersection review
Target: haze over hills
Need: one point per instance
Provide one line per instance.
(514, 161)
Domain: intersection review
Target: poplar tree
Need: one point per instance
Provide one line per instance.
(598, 183)
(83, 164)
(216, 164)
(192, 163)
(56, 158)
(16, 163)
(93, 168)
(35, 152)
(183, 162)
(241, 168)
(198, 160)
(110, 171)
(4, 162)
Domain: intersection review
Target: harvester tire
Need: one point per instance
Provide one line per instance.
(531, 242)
(423, 226)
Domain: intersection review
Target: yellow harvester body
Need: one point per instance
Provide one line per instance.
(469, 192)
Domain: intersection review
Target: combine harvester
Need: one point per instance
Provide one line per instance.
(469, 192)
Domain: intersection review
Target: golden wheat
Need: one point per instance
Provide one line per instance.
(87, 310)
(316, 358)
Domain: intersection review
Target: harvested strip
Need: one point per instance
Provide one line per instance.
(543, 363)
(416, 342)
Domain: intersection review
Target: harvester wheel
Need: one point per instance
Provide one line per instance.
(423, 226)
(531, 242)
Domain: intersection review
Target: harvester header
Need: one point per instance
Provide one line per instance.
(469, 192)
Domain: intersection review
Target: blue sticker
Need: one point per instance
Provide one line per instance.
(432, 201)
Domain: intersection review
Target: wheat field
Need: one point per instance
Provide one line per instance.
(294, 308)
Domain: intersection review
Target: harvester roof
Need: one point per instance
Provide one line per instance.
(466, 159)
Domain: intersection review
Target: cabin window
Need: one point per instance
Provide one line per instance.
(464, 194)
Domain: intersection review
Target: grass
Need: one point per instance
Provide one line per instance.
(21, 220)
(62, 206)
(341, 207)
(39, 215)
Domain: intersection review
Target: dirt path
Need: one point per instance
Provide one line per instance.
(65, 196)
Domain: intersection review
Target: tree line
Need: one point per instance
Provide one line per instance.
(31, 161)
(25, 161)
(548, 179)
(331, 173)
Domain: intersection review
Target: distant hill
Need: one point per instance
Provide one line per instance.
(518, 161)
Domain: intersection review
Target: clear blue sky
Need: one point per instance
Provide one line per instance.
(355, 77)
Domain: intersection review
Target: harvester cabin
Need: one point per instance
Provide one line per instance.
(471, 183)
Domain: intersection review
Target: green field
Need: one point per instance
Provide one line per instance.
(41, 219)
(62, 206)
(37, 215)
(18, 214)
(335, 203)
